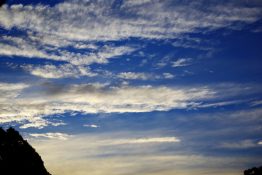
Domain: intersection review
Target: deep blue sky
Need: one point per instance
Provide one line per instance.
(136, 87)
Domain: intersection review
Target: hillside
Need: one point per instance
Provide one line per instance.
(17, 156)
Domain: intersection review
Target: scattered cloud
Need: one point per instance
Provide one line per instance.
(71, 32)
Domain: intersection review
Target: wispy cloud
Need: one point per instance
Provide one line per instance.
(182, 62)
(29, 48)
(244, 144)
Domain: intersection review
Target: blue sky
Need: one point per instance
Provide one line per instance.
(134, 87)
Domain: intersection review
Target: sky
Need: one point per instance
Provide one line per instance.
(134, 87)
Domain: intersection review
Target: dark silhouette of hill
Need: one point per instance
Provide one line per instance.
(253, 171)
(2, 2)
(17, 156)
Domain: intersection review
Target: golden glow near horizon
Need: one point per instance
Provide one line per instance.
(112, 155)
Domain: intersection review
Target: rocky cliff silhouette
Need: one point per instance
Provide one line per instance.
(17, 156)
(2, 2)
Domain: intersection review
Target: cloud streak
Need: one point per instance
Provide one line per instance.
(31, 103)
(93, 98)
(59, 136)
(148, 140)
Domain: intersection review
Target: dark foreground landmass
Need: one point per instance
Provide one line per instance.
(17, 156)
(253, 171)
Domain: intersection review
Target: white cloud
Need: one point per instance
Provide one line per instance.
(50, 135)
(260, 143)
(182, 62)
(148, 140)
(62, 71)
(28, 104)
(39, 122)
(32, 103)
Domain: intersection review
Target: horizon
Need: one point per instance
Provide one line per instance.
(130, 87)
